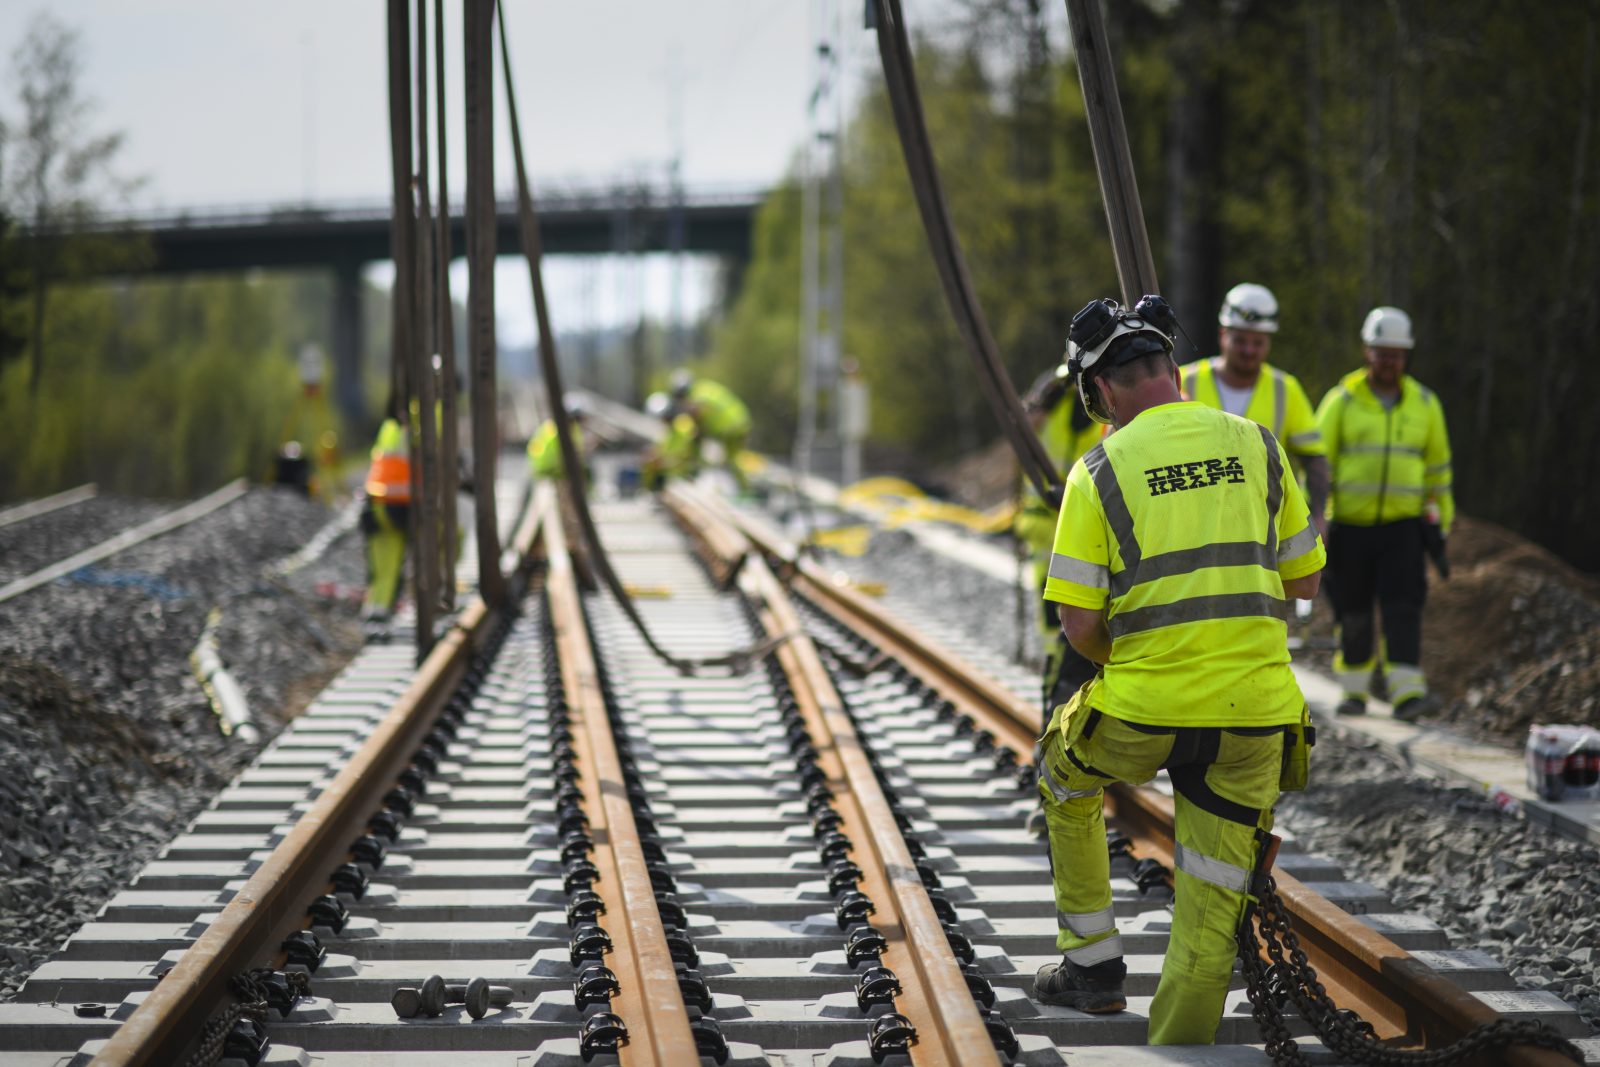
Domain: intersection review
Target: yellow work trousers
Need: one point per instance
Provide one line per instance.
(386, 555)
(1225, 782)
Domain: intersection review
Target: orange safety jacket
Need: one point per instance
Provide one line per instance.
(389, 476)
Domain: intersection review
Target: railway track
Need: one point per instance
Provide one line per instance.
(48, 511)
(820, 860)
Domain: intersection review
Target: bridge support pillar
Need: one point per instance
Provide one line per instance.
(349, 382)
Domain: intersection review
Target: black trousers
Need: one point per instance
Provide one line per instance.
(1383, 564)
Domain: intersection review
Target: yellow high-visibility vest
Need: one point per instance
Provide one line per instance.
(1036, 521)
(544, 449)
(1183, 526)
(1387, 463)
(722, 413)
(1277, 402)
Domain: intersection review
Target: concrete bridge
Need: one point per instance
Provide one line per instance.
(344, 237)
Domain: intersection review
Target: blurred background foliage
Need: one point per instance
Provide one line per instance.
(1439, 155)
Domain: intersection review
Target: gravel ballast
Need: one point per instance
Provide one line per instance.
(1492, 880)
(108, 744)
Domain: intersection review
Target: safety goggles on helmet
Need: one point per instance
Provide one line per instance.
(1104, 335)
(1250, 318)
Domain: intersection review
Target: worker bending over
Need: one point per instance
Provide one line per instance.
(544, 447)
(677, 453)
(1240, 381)
(719, 415)
(1390, 452)
(1179, 537)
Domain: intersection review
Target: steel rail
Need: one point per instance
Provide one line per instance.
(46, 504)
(649, 1000)
(934, 996)
(128, 538)
(1405, 999)
(272, 903)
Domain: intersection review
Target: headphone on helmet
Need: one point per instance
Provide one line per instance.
(1105, 335)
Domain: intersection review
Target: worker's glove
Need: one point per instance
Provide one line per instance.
(1433, 540)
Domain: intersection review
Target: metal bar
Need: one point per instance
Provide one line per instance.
(400, 228)
(128, 538)
(425, 504)
(478, 50)
(47, 504)
(448, 481)
(650, 1001)
(273, 902)
(1130, 243)
(935, 997)
(961, 295)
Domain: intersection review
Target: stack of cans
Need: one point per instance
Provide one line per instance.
(1564, 762)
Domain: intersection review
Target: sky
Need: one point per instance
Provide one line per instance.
(253, 103)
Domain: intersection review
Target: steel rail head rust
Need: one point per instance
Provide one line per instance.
(1404, 998)
(935, 995)
(649, 1001)
(274, 899)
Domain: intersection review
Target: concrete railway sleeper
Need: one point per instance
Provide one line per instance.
(587, 856)
(1418, 998)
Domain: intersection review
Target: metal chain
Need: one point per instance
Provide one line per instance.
(250, 1003)
(1285, 976)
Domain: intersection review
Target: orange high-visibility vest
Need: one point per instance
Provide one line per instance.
(389, 476)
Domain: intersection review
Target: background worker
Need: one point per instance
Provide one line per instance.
(1179, 537)
(544, 447)
(1390, 453)
(1067, 432)
(1241, 382)
(677, 454)
(718, 414)
(386, 517)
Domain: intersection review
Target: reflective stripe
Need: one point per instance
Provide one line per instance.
(1274, 489)
(1437, 468)
(1188, 560)
(1303, 440)
(1194, 609)
(1300, 543)
(1378, 450)
(1373, 488)
(1079, 572)
(1405, 682)
(1087, 923)
(1099, 952)
(1199, 865)
(1059, 791)
(1116, 508)
(1278, 401)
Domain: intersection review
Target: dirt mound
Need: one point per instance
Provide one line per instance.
(1513, 638)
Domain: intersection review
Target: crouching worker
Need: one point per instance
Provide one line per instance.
(1178, 540)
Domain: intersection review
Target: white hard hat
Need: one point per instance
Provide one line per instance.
(1387, 327)
(659, 405)
(1249, 306)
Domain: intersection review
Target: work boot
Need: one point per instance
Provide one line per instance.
(1351, 706)
(1096, 990)
(1417, 707)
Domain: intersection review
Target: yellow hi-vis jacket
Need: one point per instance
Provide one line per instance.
(544, 449)
(389, 476)
(721, 413)
(1386, 463)
(1277, 402)
(1183, 526)
(1036, 521)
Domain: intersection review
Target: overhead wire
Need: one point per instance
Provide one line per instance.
(532, 247)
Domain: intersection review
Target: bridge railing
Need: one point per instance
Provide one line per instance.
(553, 198)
